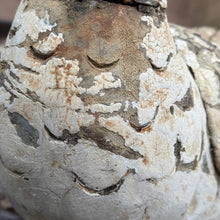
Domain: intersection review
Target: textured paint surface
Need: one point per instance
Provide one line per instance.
(98, 121)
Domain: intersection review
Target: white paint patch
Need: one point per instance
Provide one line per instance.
(127, 105)
(28, 24)
(163, 3)
(49, 44)
(144, 18)
(104, 81)
(166, 88)
(158, 43)
(154, 152)
(59, 90)
(206, 78)
(118, 125)
(104, 108)
(60, 118)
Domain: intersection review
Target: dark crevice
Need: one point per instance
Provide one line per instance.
(33, 96)
(151, 3)
(139, 128)
(205, 167)
(213, 154)
(142, 5)
(104, 138)
(171, 110)
(180, 165)
(106, 191)
(13, 31)
(21, 67)
(66, 137)
(13, 96)
(187, 166)
(160, 68)
(169, 57)
(30, 95)
(17, 173)
(4, 78)
(12, 171)
(187, 102)
(28, 134)
(123, 2)
(152, 180)
(101, 65)
(178, 148)
(191, 71)
(202, 145)
(110, 141)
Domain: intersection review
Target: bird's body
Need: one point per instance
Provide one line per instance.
(100, 116)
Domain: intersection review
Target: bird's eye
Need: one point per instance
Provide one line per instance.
(101, 65)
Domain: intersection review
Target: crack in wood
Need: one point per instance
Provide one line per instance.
(105, 191)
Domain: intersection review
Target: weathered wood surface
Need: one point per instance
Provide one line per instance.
(104, 116)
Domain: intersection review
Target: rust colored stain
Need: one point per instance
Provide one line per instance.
(161, 73)
(69, 100)
(68, 67)
(209, 199)
(147, 129)
(145, 160)
(57, 76)
(27, 115)
(110, 123)
(53, 164)
(147, 87)
(121, 11)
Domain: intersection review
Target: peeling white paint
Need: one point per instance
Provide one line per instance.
(158, 43)
(28, 24)
(104, 108)
(127, 105)
(206, 78)
(163, 3)
(104, 81)
(49, 44)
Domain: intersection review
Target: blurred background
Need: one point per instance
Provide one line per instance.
(189, 13)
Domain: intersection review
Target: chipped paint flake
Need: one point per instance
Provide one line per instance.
(48, 44)
(29, 24)
(206, 78)
(163, 3)
(104, 81)
(127, 105)
(158, 44)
